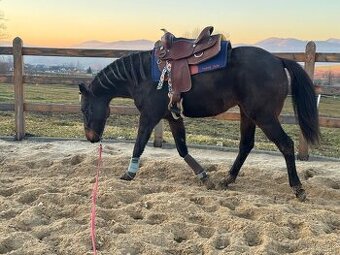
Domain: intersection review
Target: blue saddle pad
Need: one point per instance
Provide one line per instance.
(217, 62)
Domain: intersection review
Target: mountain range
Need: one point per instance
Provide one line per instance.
(271, 44)
(294, 45)
(119, 45)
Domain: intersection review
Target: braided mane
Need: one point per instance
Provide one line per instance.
(129, 68)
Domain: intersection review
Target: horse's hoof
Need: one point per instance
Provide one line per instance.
(300, 193)
(128, 176)
(208, 183)
(225, 183)
(229, 180)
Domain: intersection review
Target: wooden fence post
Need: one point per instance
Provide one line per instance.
(158, 135)
(18, 82)
(309, 68)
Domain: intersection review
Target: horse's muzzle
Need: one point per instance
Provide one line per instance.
(92, 136)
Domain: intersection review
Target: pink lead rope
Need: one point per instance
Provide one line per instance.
(94, 200)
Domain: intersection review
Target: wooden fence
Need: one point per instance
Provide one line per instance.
(309, 57)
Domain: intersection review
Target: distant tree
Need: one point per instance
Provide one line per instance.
(3, 68)
(193, 34)
(329, 77)
(5, 65)
(318, 82)
(2, 25)
(6, 62)
(197, 30)
(337, 82)
(79, 66)
(89, 70)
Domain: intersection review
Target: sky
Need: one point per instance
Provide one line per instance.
(62, 23)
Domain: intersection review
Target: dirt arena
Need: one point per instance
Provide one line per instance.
(45, 203)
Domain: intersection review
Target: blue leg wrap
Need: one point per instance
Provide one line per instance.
(202, 175)
(134, 165)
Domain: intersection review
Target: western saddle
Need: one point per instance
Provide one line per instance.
(175, 55)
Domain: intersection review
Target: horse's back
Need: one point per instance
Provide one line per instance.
(254, 61)
(252, 77)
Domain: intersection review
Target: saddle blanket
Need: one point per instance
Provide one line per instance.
(217, 62)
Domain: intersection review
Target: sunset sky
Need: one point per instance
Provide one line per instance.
(62, 23)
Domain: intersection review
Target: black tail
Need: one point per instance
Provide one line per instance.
(304, 101)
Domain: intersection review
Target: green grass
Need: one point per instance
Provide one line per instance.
(199, 131)
(48, 93)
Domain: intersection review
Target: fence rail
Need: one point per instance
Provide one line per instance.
(75, 80)
(309, 57)
(108, 53)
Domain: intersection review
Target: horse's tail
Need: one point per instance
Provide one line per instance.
(304, 101)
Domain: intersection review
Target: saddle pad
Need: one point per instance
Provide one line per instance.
(217, 62)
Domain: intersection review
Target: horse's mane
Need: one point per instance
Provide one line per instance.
(127, 68)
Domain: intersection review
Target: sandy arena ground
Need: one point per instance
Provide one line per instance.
(45, 194)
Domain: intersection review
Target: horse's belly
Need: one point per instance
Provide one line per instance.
(199, 109)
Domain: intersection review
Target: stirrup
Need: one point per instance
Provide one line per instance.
(176, 109)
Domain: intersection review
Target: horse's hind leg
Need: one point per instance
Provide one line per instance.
(178, 132)
(247, 128)
(273, 130)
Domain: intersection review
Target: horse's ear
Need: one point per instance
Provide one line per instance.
(83, 89)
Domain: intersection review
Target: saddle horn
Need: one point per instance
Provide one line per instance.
(167, 39)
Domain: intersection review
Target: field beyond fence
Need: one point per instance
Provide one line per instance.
(43, 110)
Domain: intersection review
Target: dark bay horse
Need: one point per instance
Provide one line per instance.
(254, 79)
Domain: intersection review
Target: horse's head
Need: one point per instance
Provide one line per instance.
(95, 112)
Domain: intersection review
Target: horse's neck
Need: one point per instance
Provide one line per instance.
(121, 77)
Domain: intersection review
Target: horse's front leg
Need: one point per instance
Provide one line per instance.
(146, 125)
(178, 132)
